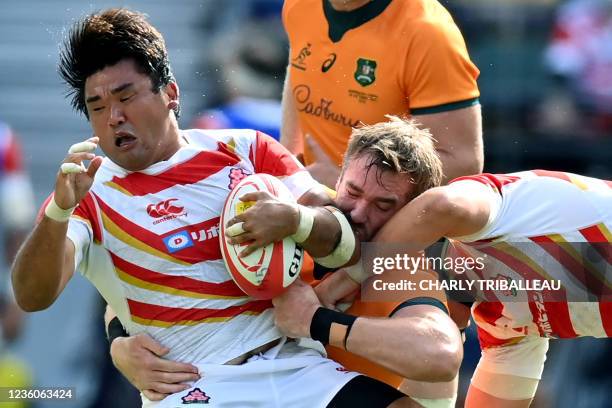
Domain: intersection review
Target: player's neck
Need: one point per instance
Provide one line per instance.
(176, 140)
(348, 5)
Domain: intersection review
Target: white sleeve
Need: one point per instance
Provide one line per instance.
(300, 182)
(80, 233)
(495, 202)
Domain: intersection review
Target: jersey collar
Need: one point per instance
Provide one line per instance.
(340, 22)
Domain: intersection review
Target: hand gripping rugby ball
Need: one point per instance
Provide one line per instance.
(267, 271)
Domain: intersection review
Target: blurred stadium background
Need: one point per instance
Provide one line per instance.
(546, 85)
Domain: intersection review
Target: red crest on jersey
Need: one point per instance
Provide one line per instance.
(196, 396)
(235, 176)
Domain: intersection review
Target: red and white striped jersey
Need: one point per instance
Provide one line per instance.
(148, 241)
(544, 225)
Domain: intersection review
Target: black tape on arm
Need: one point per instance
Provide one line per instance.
(114, 330)
(322, 321)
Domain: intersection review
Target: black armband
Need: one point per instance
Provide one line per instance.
(115, 329)
(331, 327)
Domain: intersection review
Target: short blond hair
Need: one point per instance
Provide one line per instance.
(398, 145)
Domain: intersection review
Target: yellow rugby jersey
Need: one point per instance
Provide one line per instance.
(387, 57)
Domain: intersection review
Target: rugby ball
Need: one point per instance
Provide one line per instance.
(267, 271)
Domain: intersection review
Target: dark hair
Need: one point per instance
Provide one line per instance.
(105, 38)
(400, 146)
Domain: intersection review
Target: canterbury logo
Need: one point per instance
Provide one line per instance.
(164, 208)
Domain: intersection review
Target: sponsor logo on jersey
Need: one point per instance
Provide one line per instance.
(322, 109)
(362, 97)
(236, 175)
(205, 234)
(299, 62)
(165, 210)
(328, 63)
(542, 316)
(365, 74)
(178, 241)
(196, 396)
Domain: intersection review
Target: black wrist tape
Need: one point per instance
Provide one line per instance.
(115, 329)
(348, 332)
(322, 320)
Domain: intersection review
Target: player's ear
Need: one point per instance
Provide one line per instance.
(172, 105)
(172, 90)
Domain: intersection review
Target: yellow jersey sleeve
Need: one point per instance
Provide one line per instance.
(439, 73)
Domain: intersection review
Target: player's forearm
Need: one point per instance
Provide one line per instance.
(447, 211)
(316, 197)
(421, 223)
(37, 270)
(423, 348)
(330, 238)
(325, 232)
(291, 136)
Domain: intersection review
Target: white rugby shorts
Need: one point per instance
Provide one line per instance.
(512, 372)
(287, 375)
